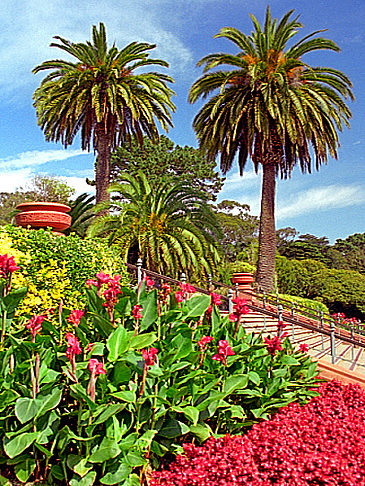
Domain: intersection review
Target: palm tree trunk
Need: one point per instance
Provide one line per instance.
(267, 235)
(102, 170)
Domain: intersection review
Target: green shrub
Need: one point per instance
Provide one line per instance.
(55, 267)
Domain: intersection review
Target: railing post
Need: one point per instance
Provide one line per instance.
(210, 280)
(359, 329)
(322, 328)
(183, 281)
(352, 344)
(230, 301)
(280, 318)
(139, 270)
(236, 289)
(333, 342)
(264, 307)
(318, 320)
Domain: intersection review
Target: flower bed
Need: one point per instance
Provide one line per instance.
(321, 443)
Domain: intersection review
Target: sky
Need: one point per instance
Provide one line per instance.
(329, 203)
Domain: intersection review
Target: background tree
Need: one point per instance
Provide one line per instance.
(272, 107)
(171, 227)
(166, 161)
(352, 249)
(101, 96)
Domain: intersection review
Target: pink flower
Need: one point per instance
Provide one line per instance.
(7, 266)
(164, 293)
(179, 296)
(103, 278)
(75, 317)
(91, 282)
(73, 348)
(240, 308)
(111, 292)
(303, 348)
(136, 312)
(187, 288)
(204, 341)
(35, 325)
(96, 367)
(273, 345)
(149, 356)
(216, 298)
(89, 347)
(224, 350)
(149, 281)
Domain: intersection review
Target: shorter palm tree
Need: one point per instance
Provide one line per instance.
(82, 213)
(172, 228)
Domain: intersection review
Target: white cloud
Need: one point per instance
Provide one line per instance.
(35, 158)
(30, 29)
(320, 199)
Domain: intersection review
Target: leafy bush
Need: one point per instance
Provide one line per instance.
(55, 267)
(320, 443)
(99, 405)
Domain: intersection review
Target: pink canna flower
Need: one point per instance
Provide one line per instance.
(240, 308)
(204, 341)
(149, 281)
(35, 325)
(73, 349)
(96, 368)
(179, 296)
(136, 312)
(224, 350)
(7, 266)
(216, 298)
(273, 345)
(149, 356)
(75, 317)
(303, 348)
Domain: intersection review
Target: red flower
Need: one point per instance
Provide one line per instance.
(89, 347)
(111, 292)
(96, 367)
(303, 347)
(164, 293)
(204, 341)
(7, 266)
(179, 296)
(75, 317)
(216, 298)
(136, 312)
(35, 325)
(149, 281)
(224, 350)
(273, 345)
(91, 282)
(187, 288)
(240, 308)
(149, 356)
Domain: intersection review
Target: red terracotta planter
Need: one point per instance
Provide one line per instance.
(43, 214)
(244, 282)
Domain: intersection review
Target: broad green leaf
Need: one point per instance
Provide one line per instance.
(49, 401)
(192, 413)
(109, 411)
(254, 377)
(26, 409)
(119, 475)
(125, 396)
(79, 392)
(24, 469)
(173, 428)
(78, 465)
(107, 450)
(121, 373)
(135, 459)
(133, 480)
(237, 411)
(102, 324)
(57, 472)
(13, 299)
(234, 382)
(4, 481)
(142, 340)
(289, 360)
(87, 480)
(149, 310)
(7, 397)
(19, 443)
(197, 305)
(202, 431)
(117, 343)
(216, 320)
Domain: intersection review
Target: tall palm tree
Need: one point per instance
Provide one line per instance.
(101, 95)
(272, 107)
(171, 227)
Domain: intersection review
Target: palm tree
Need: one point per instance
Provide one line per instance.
(272, 107)
(171, 227)
(100, 95)
(82, 213)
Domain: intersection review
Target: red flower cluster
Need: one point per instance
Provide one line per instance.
(136, 312)
(35, 325)
(216, 299)
(204, 341)
(164, 293)
(73, 348)
(149, 356)
(240, 308)
(111, 292)
(321, 443)
(224, 350)
(75, 317)
(303, 348)
(96, 367)
(184, 290)
(149, 281)
(273, 345)
(7, 266)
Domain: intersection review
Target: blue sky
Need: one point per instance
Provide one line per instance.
(326, 203)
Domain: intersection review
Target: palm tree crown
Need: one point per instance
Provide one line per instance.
(272, 107)
(101, 95)
(171, 227)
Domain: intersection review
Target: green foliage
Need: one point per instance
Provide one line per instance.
(352, 250)
(62, 423)
(82, 213)
(55, 267)
(165, 161)
(171, 227)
